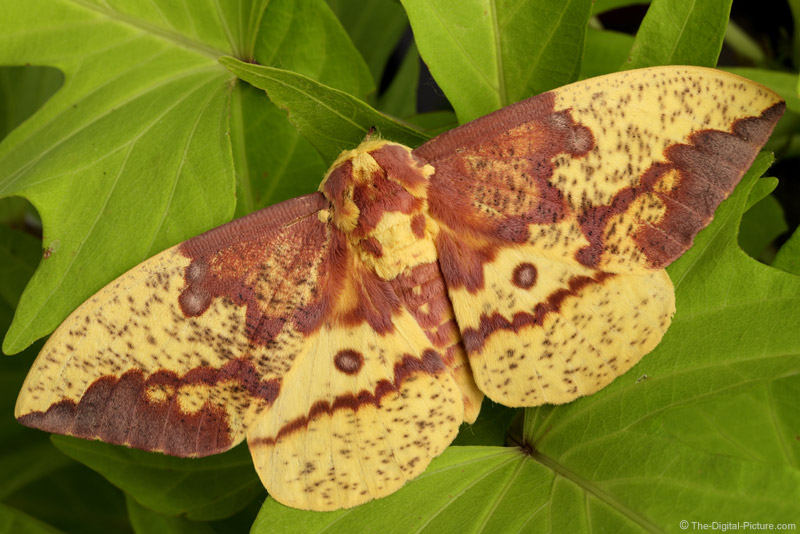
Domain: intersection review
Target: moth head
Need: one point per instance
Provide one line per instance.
(375, 178)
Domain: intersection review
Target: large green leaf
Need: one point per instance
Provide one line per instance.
(134, 153)
(486, 54)
(330, 119)
(202, 489)
(118, 150)
(704, 428)
(680, 32)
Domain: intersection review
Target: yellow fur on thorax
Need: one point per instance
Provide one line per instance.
(364, 165)
(402, 249)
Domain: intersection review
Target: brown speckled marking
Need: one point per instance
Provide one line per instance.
(348, 361)
(524, 275)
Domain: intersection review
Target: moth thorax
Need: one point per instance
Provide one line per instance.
(378, 196)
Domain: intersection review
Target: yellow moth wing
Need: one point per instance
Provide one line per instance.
(569, 205)
(174, 355)
(362, 414)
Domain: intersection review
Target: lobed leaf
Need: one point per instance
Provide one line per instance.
(135, 140)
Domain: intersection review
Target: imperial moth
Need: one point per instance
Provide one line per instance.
(346, 334)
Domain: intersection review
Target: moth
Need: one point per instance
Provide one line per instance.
(346, 334)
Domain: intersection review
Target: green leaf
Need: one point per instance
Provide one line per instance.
(490, 428)
(400, 98)
(604, 52)
(305, 36)
(328, 118)
(783, 83)
(202, 489)
(788, 257)
(375, 28)
(486, 54)
(761, 224)
(601, 6)
(462, 490)
(680, 32)
(273, 161)
(146, 521)
(135, 142)
(13, 520)
(23, 90)
(25, 455)
(74, 499)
